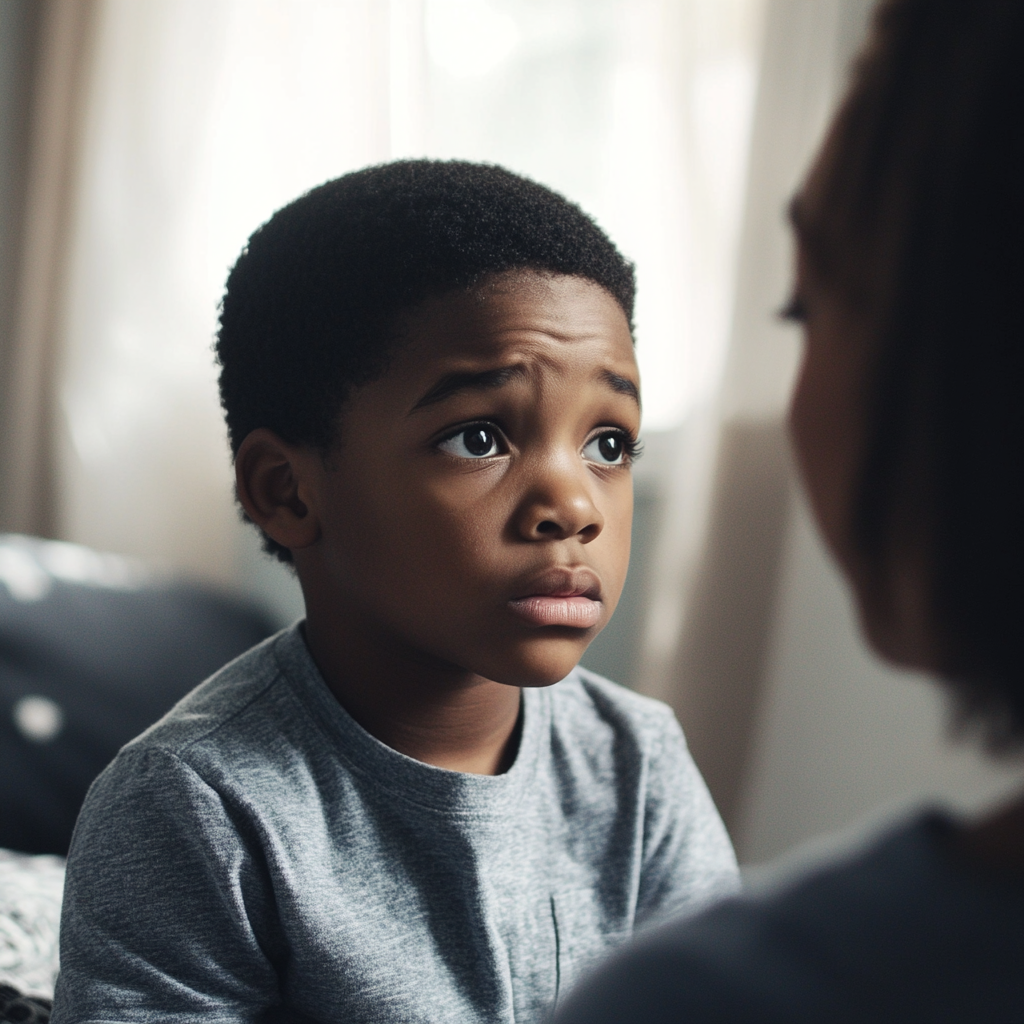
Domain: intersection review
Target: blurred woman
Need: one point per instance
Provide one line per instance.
(908, 426)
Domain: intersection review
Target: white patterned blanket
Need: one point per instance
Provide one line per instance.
(30, 895)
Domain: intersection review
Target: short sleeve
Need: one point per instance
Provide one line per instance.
(153, 834)
(688, 859)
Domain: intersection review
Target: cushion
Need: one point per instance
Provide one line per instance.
(93, 649)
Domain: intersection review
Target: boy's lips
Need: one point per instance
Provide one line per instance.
(561, 597)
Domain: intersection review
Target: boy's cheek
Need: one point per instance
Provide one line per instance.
(473, 497)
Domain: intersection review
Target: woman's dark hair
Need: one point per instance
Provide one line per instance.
(919, 225)
(312, 304)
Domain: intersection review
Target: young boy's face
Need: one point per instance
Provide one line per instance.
(477, 511)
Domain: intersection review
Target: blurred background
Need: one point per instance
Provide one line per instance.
(141, 141)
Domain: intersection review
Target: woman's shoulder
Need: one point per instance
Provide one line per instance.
(894, 929)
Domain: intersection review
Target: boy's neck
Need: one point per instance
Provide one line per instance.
(434, 713)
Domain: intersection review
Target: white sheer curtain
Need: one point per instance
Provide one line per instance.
(203, 117)
(206, 115)
(716, 574)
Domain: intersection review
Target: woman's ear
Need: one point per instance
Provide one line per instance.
(276, 484)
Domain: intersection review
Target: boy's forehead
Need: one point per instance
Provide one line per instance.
(525, 314)
(549, 334)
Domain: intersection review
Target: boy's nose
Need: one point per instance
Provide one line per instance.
(559, 507)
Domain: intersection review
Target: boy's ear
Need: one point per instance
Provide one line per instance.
(276, 482)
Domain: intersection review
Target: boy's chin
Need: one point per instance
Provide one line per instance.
(539, 663)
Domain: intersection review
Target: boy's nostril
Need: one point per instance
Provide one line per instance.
(547, 526)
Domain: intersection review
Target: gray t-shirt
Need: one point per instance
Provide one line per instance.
(257, 855)
(902, 931)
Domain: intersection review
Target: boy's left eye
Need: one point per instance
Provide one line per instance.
(476, 442)
(608, 449)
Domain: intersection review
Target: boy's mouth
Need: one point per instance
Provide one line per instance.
(561, 597)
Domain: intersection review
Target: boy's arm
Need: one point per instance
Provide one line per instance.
(688, 857)
(167, 908)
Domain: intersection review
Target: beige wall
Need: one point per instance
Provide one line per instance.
(840, 737)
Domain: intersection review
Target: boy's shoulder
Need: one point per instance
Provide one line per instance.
(243, 731)
(242, 699)
(591, 705)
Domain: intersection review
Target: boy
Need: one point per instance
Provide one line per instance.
(383, 813)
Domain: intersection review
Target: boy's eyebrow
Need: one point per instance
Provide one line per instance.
(623, 385)
(484, 380)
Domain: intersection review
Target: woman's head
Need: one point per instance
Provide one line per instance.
(909, 419)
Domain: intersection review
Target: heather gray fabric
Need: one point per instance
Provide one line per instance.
(902, 931)
(256, 855)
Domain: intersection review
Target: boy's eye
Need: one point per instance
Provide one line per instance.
(609, 449)
(475, 442)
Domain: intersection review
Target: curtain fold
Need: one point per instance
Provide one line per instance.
(59, 98)
(726, 509)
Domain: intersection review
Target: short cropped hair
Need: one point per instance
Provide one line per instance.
(919, 225)
(311, 305)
